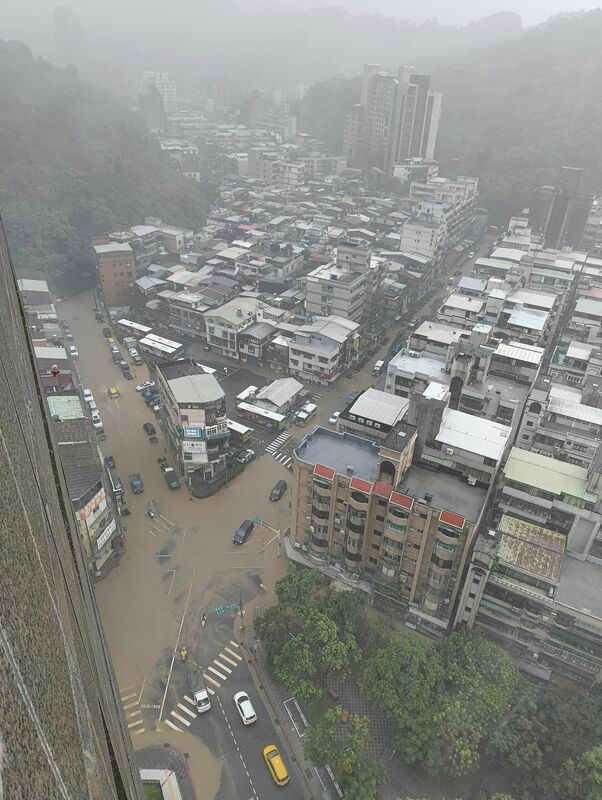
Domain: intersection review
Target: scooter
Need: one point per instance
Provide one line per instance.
(150, 511)
(203, 620)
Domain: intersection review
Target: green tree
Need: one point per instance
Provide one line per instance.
(275, 628)
(317, 652)
(299, 586)
(404, 680)
(581, 778)
(480, 680)
(329, 741)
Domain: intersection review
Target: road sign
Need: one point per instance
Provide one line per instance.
(257, 520)
(219, 610)
(231, 607)
(261, 551)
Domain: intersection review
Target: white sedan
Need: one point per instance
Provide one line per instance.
(245, 708)
(88, 396)
(334, 418)
(73, 352)
(96, 421)
(145, 385)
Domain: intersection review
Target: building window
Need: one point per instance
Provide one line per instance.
(376, 547)
(379, 518)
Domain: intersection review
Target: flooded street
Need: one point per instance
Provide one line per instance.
(183, 560)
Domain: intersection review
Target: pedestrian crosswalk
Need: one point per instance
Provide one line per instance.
(276, 446)
(215, 674)
(130, 700)
(278, 443)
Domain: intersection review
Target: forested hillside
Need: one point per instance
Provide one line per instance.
(512, 113)
(75, 162)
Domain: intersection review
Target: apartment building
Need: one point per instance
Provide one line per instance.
(116, 267)
(224, 323)
(530, 596)
(196, 421)
(321, 350)
(342, 288)
(558, 424)
(362, 506)
(554, 494)
(101, 536)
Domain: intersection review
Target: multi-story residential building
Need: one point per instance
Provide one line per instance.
(361, 505)
(54, 368)
(264, 165)
(560, 213)
(591, 239)
(573, 361)
(320, 351)
(164, 85)
(224, 323)
(554, 494)
(333, 289)
(585, 324)
(461, 310)
(397, 118)
(63, 730)
(101, 537)
(116, 272)
(196, 423)
(557, 423)
(253, 341)
(524, 591)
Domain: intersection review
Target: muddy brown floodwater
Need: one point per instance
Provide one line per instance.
(186, 552)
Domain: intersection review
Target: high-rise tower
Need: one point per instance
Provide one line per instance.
(62, 731)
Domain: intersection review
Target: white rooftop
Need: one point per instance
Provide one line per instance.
(580, 350)
(508, 254)
(537, 299)
(112, 247)
(437, 332)
(32, 285)
(530, 318)
(523, 352)
(435, 391)
(473, 434)
(463, 302)
(53, 353)
(424, 364)
(579, 411)
(380, 406)
(474, 284)
(280, 392)
(586, 306)
(196, 389)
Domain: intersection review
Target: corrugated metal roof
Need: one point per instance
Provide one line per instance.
(547, 474)
(529, 353)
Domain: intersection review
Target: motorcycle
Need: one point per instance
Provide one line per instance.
(203, 620)
(124, 511)
(150, 511)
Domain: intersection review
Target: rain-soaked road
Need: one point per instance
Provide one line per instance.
(177, 566)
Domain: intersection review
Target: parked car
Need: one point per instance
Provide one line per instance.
(68, 335)
(171, 478)
(278, 490)
(275, 764)
(145, 385)
(333, 420)
(96, 421)
(244, 706)
(245, 456)
(243, 533)
(88, 396)
(99, 317)
(73, 352)
(93, 407)
(106, 332)
(352, 397)
(109, 462)
(149, 428)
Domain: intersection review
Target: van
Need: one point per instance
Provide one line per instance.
(278, 490)
(378, 367)
(198, 690)
(243, 533)
(275, 764)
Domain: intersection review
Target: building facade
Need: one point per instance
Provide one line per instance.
(61, 718)
(116, 266)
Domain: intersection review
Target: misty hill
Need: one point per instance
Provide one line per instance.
(75, 162)
(512, 113)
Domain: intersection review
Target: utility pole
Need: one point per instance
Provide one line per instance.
(241, 611)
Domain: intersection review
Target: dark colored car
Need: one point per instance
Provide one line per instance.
(278, 490)
(243, 533)
(107, 332)
(109, 462)
(149, 428)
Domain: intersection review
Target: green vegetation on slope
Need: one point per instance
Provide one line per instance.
(512, 114)
(74, 163)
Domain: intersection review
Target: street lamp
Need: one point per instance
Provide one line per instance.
(277, 537)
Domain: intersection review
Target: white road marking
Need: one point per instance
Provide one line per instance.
(142, 730)
(130, 705)
(171, 725)
(229, 660)
(222, 666)
(134, 713)
(211, 680)
(219, 674)
(135, 724)
(209, 690)
(233, 643)
(232, 653)
(186, 710)
(129, 696)
(180, 719)
(188, 699)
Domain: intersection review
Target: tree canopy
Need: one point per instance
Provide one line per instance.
(74, 163)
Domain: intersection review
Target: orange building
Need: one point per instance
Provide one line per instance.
(116, 272)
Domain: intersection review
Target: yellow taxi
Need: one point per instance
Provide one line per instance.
(113, 392)
(275, 765)
(110, 341)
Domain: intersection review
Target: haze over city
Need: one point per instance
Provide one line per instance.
(300, 409)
